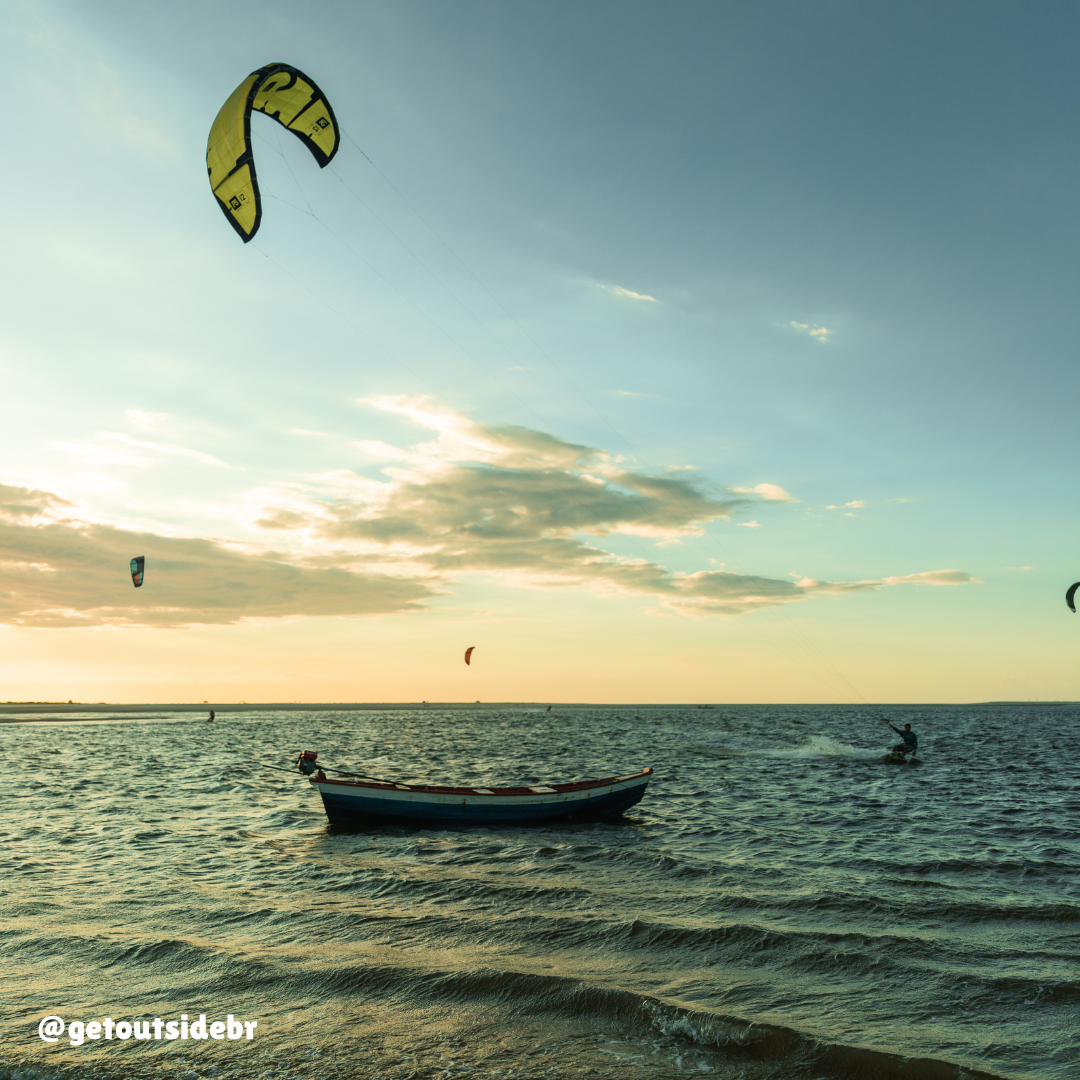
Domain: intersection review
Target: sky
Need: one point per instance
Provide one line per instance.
(700, 352)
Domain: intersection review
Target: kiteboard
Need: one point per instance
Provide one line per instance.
(895, 757)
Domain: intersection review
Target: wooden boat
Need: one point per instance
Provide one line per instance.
(352, 802)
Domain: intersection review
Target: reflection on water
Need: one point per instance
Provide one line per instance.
(779, 871)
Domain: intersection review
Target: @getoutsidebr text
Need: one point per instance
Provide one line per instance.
(51, 1028)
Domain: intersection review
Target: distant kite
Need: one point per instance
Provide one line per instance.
(468, 654)
(1069, 597)
(294, 101)
(137, 566)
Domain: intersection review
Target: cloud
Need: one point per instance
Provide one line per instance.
(58, 571)
(934, 577)
(770, 492)
(858, 504)
(748, 525)
(165, 448)
(818, 333)
(99, 454)
(526, 506)
(523, 505)
(629, 294)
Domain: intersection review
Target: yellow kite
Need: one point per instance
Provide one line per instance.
(293, 100)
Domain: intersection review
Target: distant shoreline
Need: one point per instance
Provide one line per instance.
(45, 709)
(1036, 704)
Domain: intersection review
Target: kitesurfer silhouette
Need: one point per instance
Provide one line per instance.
(910, 745)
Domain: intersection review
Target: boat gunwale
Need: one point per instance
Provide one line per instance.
(519, 792)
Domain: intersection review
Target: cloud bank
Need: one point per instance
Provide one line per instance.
(510, 501)
(58, 571)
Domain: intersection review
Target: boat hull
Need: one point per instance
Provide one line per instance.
(352, 803)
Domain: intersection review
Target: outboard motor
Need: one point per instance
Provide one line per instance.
(306, 761)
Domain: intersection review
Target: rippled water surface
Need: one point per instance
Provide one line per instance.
(783, 903)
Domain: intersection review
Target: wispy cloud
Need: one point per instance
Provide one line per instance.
(103, 450)
(769, 492)
(818, 333)
(629, 294)
(165, 448)
(934, 577)
(857, 504)
(748, 524)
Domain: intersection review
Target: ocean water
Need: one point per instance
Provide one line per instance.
(782, 904)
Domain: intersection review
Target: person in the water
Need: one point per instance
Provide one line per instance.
(910, 745)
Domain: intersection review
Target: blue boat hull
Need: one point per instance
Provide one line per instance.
(348, 804)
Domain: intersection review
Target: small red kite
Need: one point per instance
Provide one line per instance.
(468, 654)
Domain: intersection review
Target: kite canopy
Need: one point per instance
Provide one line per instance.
(137, 566)
(468, 654)
(294, 101)
(1069, 597)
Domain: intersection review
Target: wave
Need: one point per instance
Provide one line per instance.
(570, 999)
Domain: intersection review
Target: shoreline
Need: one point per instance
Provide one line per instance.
(59, 708)
(45, 709)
